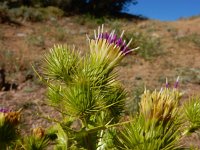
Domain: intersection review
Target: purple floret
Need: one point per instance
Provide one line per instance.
(114, 39)
(167, 85)
(4, 110)
(176, 83)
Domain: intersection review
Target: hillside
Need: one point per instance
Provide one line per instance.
(168, 50)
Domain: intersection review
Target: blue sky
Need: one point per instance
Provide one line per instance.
(166, 10)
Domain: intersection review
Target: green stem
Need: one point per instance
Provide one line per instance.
(88, 142)
(3, 147)
(88, 138)
(103, 127)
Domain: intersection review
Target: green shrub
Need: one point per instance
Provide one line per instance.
(36, 40)
(4, 13)
(149, 47)
(97, 8)
(36, 14)
(61, 34)
(191, 38)
(53, 12)
(134, 100)
(191, 75)
(13, 62)
(90, 20)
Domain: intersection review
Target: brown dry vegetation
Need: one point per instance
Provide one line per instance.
(23, 46)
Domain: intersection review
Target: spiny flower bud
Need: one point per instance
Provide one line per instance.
(38, 132)
(13, 117)
(161, 106)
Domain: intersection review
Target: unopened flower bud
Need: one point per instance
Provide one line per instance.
(12, 117)
(38, 132)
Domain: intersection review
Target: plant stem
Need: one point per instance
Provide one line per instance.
(88, 142)
(3, 147)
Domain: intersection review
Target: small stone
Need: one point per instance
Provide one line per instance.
(21, 35)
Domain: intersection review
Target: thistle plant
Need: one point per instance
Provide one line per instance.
(85, 90)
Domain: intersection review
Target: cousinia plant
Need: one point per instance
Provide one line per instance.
(85, 90)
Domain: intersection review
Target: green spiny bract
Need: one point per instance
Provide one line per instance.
(192, 113)
(158, 124)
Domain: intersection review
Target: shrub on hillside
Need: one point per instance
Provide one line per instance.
(4, 13)
(149, 46)
(95, 7)
(35, 14)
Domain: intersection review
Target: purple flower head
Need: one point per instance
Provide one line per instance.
(167, 83)
(112, 38)
(176, 83)
(4, 110)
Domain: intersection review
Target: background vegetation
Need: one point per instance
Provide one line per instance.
(94, 7)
